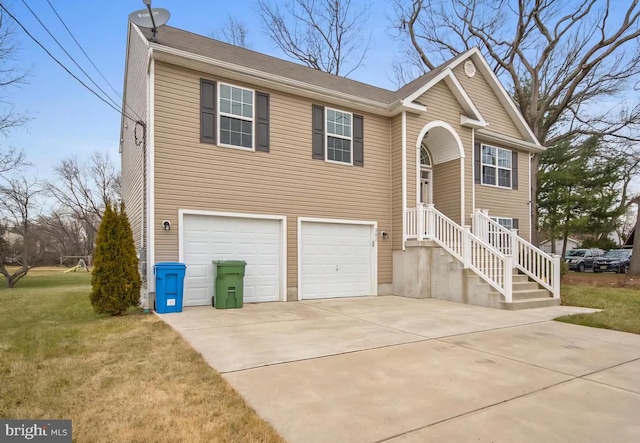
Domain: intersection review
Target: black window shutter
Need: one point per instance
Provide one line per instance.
(318, 132)
(477, 158)
(514, 170)
(207, 111)
(262, 122)
(358, 140)
(515, 223)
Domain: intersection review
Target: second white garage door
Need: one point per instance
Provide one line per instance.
(337, 260)
(255, 240)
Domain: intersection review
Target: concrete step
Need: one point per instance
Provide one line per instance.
(525, 286)
(529, 294)
(519, 278)
(530, 303)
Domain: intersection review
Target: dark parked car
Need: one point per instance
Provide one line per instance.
(614, 260)
(581, 259)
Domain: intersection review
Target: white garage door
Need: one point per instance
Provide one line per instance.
(337, 260)
(256, 241)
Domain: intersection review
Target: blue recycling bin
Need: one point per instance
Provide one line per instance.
(169, 286)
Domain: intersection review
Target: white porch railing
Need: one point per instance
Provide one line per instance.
(537, 264)
(427, 223)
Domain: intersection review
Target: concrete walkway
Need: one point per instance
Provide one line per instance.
(402, 370)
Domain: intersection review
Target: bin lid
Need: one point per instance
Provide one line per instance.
(221, 263)
(169, 264)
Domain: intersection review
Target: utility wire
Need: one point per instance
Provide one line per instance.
(89, 58)
(69, 55)
(66, 69)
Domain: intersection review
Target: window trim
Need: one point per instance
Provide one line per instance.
(221, 114)
(497, 167)
(327, 135)
(497, 220)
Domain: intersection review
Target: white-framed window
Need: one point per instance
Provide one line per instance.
(504, 222)
(339, 136)
(235, 116)
(496, 167)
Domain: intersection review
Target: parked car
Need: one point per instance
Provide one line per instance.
(614, 260)
(582, 259)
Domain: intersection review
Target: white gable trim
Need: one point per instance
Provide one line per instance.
(508, 141)
(501, 93)
(473, 114)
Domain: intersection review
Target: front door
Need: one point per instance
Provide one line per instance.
(426, 186)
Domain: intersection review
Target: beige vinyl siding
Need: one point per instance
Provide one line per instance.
(446, 189)
(509, 203)
(443, 106)
(487, 102)
(285, 181)
(132, 153)
(396, 177)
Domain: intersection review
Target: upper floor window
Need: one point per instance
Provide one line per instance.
(496, 166)
(234, 116)
(508, 223)
(339, 136)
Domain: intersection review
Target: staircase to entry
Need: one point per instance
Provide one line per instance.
(518, 274)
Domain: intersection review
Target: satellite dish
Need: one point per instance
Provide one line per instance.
(144, 19)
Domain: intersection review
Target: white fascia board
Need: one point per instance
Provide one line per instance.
(463, 98)
(508, 141)
(272, 81)
(456, 88)
(501, 93)
(472, 123)
(424, 88)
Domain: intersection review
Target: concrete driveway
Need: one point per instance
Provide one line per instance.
(402, 370)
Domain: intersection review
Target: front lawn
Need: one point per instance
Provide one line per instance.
(128, 378)
(620, 305)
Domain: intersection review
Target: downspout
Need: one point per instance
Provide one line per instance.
(530, 201)
(404, 179)
(151, 283)
(473, 172)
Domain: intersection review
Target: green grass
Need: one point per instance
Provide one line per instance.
(126, 378)
(620, 307)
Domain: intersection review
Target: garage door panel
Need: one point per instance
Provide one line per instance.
(336, 260)
(257, 241)
(196, 271)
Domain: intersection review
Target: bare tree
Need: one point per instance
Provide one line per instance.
(233, 32)
(10, 75)
(568, 64)
(18, 204)
(323, 34)
(626, 224)
(11, 159)
(64, 235)
(82, 189)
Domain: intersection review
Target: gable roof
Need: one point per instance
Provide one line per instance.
(208, 47)
(213, 56)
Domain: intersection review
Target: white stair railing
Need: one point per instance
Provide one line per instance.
(427, 223)
(532, 261)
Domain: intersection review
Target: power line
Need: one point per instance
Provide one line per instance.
(89, 58)
(36, 41)
(67, 53)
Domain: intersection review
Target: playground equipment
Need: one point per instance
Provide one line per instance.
(81, 265)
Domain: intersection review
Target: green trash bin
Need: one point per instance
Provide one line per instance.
(229, 283)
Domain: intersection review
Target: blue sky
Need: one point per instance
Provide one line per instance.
(66, 119)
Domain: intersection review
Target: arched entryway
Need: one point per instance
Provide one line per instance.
(440, 169)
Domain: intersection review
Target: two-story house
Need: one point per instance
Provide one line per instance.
(325, 186)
